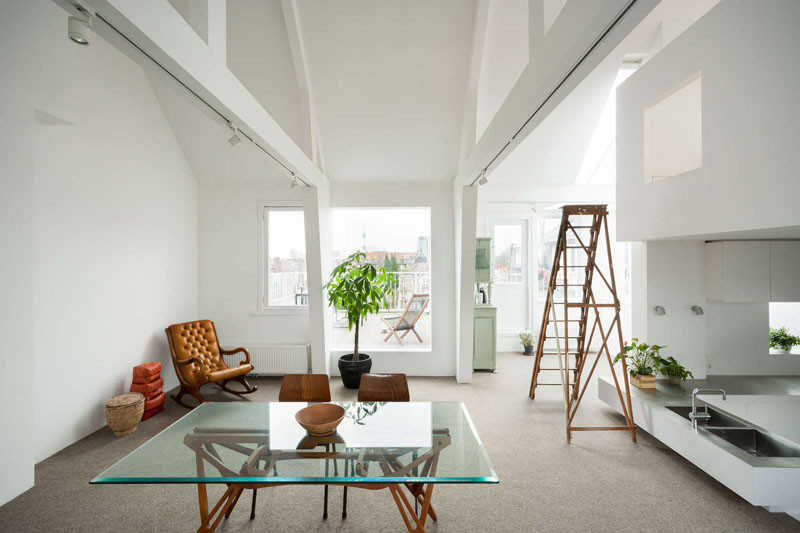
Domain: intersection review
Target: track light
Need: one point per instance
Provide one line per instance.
(482, 180)
(79, 30)
(235, 139)
(697, 310)
(295, 184)
(79, 27)
(660, 311)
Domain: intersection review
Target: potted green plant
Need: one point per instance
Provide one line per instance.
(674, 371)
(642, 360)
(781, 340)
(526, 340)
(360, 289)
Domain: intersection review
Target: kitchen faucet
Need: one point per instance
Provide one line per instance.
(694, 416)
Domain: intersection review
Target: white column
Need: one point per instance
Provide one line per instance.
(466, 212)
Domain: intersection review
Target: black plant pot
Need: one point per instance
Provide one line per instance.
(351, 370)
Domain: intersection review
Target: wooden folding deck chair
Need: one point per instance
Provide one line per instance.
(414, 308)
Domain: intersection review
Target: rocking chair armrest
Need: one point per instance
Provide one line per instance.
(238, 350)
(194, 359)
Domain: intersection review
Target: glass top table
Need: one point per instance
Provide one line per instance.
(251, 445)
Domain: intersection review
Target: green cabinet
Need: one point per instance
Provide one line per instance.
(484, 338)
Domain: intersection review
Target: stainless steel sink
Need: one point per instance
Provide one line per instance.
(718, 418)
(756, 442)
(752, 440)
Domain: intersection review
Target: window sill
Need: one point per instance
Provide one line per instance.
(281, 311)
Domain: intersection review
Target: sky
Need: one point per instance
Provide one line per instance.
(387, 229)
(286, 233)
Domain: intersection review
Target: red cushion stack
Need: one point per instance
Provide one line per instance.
(147, 380)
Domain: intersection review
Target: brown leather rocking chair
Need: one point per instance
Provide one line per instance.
(197, 358)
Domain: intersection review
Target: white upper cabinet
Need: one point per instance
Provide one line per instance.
(738, 271)
(785, 271)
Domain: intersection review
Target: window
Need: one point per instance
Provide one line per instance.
(399, 240)
(673, 133)
(509, 252)
(283, 281)
(785, 315)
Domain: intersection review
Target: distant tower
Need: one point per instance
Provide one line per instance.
(364, 239)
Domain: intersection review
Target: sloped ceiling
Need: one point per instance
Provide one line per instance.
(204, 141)
(389, 82)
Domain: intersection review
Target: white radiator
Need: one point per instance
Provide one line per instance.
(274, 359)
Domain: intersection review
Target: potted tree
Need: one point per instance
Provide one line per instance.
(360, 289)
(782, 341)
(526, 340)
(643, 362)
(674, 371)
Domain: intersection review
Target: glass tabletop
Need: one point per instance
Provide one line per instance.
(262, 443)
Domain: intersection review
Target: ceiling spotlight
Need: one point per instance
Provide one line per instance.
(660, 311)
(235, 139)
(295, 184)
(482, 180)
(79, 30)
(697, 310)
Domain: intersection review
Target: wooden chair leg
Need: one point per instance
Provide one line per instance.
(186, 390)
(241, 379)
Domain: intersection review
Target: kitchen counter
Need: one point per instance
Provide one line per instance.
(772, 482)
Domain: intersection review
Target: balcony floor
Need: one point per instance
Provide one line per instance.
(373, 331)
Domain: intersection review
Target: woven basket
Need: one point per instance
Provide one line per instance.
(124, 412)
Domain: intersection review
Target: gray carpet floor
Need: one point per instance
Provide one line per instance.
(601, 482)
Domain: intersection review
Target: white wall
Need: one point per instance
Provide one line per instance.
(672, 274)
(105, 223)
(228, 221)
(745, 52)
(728, 339)
(440, 361)
(16, 257)
(115, 224)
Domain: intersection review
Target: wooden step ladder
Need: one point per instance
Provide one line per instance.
(570, 331)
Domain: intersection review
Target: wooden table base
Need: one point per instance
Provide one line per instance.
(413, 521)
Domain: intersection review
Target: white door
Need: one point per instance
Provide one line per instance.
(511, 287)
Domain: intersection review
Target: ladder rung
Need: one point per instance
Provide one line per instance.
(577, 247)
(582, 227)
(555, 384)
(589, 305)
(570, 369)
(573, 266)
(556, 353)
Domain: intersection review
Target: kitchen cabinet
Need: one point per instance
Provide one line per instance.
(784, 285)
(738, 271)
(484, 340)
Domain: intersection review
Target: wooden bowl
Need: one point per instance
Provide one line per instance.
(320, 419)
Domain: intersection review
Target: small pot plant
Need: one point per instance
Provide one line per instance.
(781, 340)
(674, 371)
(643, 361)
(526, 340)
(360, 289)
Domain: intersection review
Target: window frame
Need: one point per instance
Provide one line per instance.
(262, 296)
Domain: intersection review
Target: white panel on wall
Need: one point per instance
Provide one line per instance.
(673, 131)
(738, 271)
(746, 271)
(785, 271)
